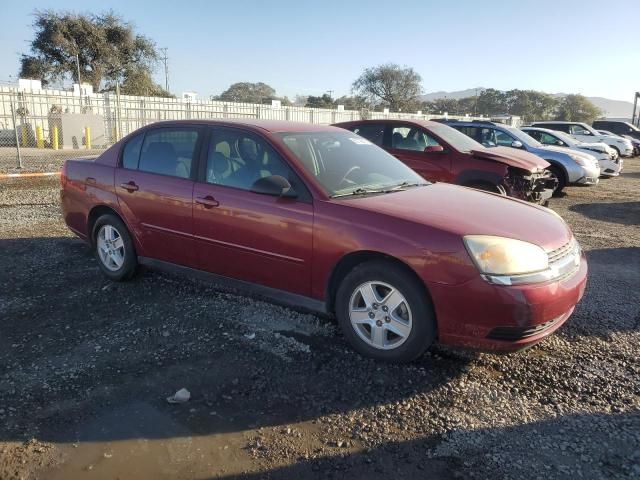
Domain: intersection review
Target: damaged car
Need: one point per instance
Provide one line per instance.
(440, 153)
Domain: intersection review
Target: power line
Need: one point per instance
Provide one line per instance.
(165, 59)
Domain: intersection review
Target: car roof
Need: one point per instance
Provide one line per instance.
(410, 121)
(559, 122)
(271, 126)
(542, 129)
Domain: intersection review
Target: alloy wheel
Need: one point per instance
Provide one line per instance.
(380, 315)
(110, 247)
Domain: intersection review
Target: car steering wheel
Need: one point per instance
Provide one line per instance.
(345, 178)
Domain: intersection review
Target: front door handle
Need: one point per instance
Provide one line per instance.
(129, 186)
(208, 201)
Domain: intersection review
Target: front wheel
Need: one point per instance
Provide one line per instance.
(559, 175)
(385, 313)
(113, 248)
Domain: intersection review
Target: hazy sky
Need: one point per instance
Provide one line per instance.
(571, 46)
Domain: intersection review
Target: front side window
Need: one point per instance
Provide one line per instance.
(237, 159)
(546, 139)
(344, 163)
(578, 130)
(168, 151)
(503, 139)
(411, 138)
(535, 134)
(373, 132)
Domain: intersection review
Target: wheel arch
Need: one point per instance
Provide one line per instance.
(351, 260)
(95, 213)
(561, 167)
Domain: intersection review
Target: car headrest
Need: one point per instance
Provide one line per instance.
(217, 164)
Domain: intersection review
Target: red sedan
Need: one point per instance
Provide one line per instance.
(319, 217)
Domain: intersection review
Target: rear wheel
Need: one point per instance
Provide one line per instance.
(560, 177)
(113, 248)
(385, 313)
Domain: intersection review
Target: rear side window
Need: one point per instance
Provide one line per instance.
(169, 151)
(131, 152)
(373, 132)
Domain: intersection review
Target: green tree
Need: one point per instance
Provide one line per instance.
(246, 92)
(324, 101)
(107, 49)
(530, 104)
(491, 102)
(137, 82)
(577, 108)
(393, 86)
(442, 105)
(356, 102)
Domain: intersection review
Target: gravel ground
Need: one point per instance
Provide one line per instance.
(86, 366)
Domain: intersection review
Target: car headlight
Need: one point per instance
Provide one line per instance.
(507, 261)
(505, 256)
(580, 160)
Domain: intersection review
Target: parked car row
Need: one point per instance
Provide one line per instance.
(324, 218)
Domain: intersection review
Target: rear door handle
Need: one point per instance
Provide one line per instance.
(208, 201)
(129, 186)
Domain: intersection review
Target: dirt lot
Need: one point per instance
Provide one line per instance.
(86, 366)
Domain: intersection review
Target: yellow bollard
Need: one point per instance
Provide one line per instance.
(87, 137)
(54, 138)
(114, 135)
(24, 135)
(39, 139)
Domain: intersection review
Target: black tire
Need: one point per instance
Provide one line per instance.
(617, 150)
(130, 263)
(423, 323)
(560, 176)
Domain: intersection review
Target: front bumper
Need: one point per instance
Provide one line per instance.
(488, 317)
(626, 151)
(590, 176)
(611, 168)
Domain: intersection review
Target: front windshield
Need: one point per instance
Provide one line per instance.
(455, 138)
(344, 163)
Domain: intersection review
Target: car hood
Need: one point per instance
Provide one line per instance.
(465, 211)
(512, 157)
(564, 150)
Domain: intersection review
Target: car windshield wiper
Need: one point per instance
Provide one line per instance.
(358, 191)
(368, 191)
(404, 185)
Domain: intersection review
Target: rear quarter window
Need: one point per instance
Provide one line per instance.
(131, 152)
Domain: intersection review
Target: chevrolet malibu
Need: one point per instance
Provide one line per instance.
(320, 218)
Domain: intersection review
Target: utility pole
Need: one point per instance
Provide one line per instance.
(164, 59)
(78, 69)
(330, 92)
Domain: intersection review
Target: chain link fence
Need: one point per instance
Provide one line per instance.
(40, 129)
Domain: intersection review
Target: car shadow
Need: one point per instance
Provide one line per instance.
(626, 213)
(611, 301)
(94, 360)
(563, 446)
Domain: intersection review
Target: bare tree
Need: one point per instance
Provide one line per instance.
(395, 86)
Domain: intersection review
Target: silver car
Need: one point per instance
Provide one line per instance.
(570, 168)
(608, 159)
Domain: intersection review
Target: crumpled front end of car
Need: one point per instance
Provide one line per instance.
(535, 187)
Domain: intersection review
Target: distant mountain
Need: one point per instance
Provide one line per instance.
(611, 108)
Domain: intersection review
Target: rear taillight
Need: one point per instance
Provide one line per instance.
(63, 174)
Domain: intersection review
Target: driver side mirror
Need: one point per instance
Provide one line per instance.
(516, 144)
(433, 149)
(274, 185)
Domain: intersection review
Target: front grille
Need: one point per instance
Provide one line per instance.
(519, 333)
(559, 253)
